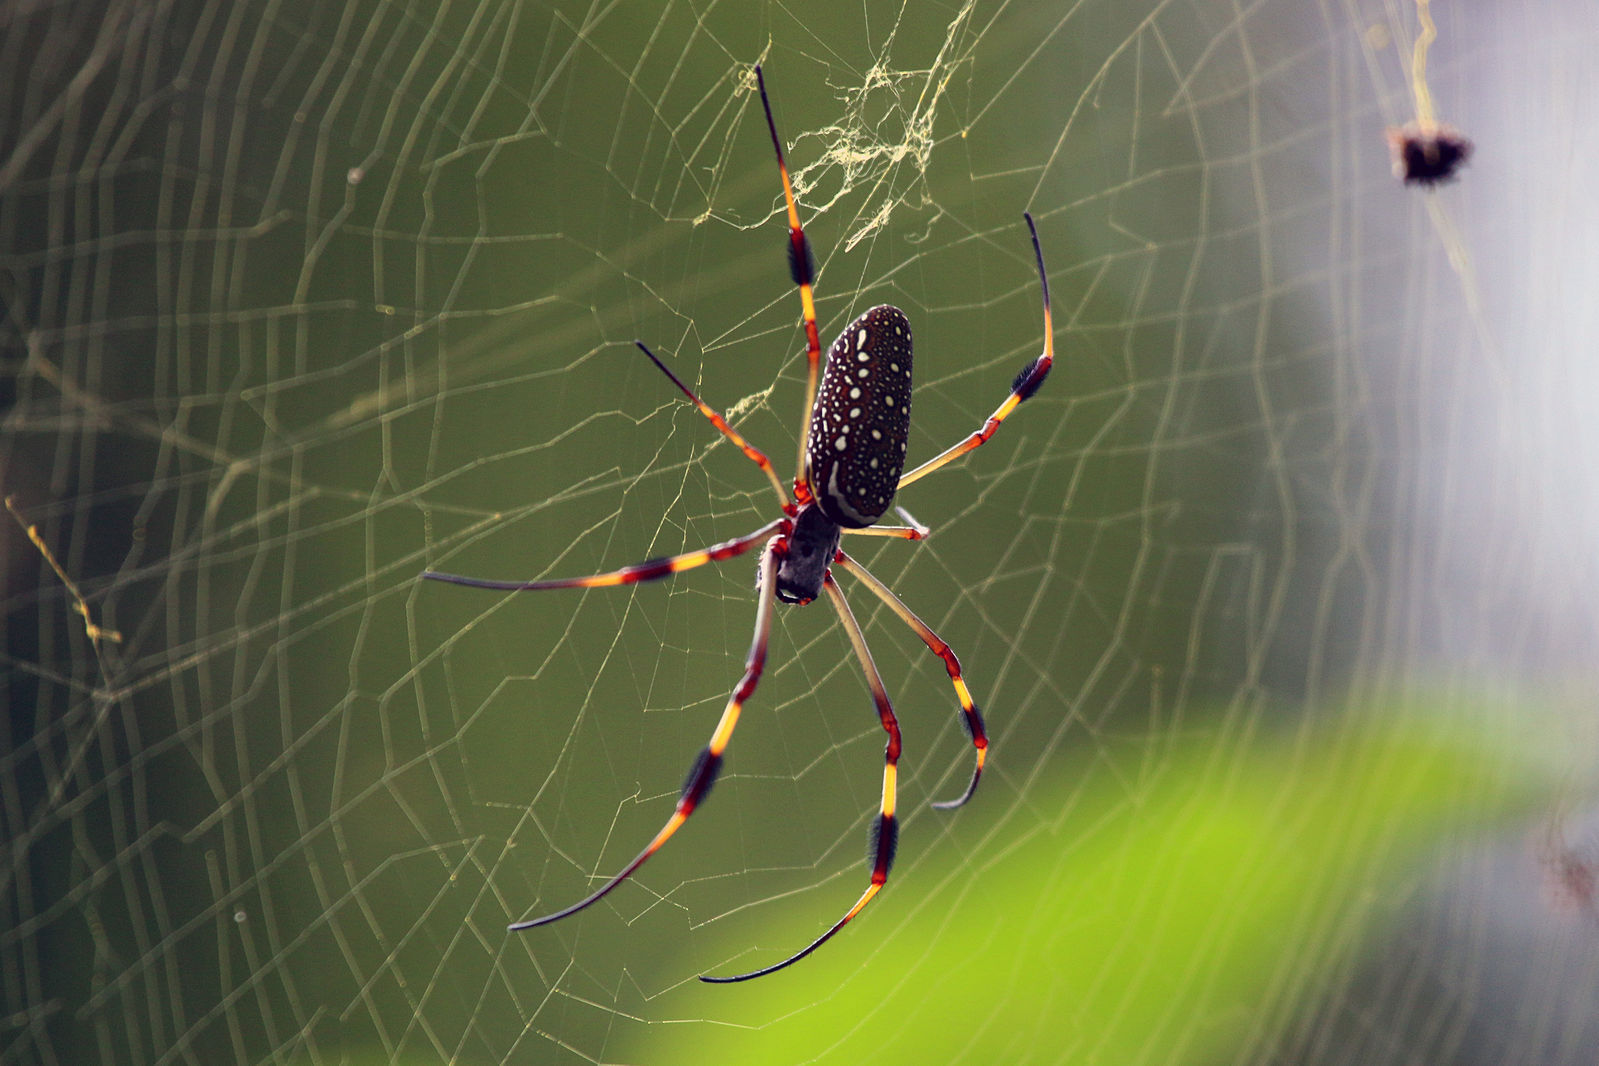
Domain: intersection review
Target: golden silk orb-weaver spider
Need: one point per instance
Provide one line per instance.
(852, 452)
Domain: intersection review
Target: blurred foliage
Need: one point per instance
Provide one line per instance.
(1187, 917)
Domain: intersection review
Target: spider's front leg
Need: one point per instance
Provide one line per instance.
(1027, 382)
(971, 717)
(802, 268)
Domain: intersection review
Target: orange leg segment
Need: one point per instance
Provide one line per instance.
(754, 454)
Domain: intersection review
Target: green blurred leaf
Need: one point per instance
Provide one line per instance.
(1184, 917)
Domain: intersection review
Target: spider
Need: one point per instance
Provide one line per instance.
(852, 452)
(1427, 153)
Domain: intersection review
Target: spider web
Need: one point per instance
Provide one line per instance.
(301, 299)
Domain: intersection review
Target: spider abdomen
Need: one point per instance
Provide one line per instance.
(856, 449)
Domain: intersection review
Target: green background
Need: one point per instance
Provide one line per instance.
(1275, 597)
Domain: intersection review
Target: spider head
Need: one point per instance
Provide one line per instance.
(811, 547)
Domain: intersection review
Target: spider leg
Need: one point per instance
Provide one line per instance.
(913, 530)
(645, 571)
(902, 532)
(802, 267)
(1026, 383)
(755, 455)
(703, 774)
(885, 831)
(971, 717)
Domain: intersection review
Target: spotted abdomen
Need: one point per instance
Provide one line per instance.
(856, 449)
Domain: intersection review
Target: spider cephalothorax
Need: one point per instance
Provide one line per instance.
(852, 452)
(810, 550)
